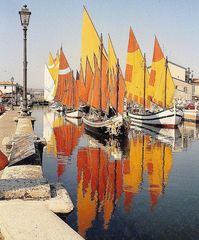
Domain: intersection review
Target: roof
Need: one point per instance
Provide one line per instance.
(196, 80)
(7, 83)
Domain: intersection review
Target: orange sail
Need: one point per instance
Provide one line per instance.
(63, 77)
(94, 94)
(84, 86)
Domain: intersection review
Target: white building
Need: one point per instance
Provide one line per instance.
(6, 87)
(182, 80)
(195, 84)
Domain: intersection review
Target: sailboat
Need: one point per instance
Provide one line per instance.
(154, 93)
(70, 100)
(66, 92)
(99, 120)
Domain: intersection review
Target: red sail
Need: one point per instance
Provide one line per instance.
(84, 86)
(63, 77)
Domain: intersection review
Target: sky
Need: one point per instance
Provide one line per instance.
(56, 22)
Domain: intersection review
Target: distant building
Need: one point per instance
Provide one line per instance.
(183, 81)
(195, 84)
(37, 95)
(6, 87)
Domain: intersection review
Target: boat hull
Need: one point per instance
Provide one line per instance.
(111, 127)
(73, 113)
(168, 118)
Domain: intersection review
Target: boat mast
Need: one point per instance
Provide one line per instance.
(165, 84)
(118, 79)
(101, 52)
(144, 103)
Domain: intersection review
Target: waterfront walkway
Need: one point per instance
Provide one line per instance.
(27, 199)
(7, 126)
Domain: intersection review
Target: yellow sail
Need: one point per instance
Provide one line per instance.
(90, 42)
(116, 80)
(160, 78)
(112, 58)
(136, 74)
(112, 72)
(53, 67)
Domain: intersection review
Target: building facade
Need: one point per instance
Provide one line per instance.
(8, 87)
(195, 84)
(183, 81)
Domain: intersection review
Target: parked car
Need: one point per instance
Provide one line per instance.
(189, 106)
(2, 108)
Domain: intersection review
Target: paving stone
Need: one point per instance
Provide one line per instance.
(35, 222)
(24, 189)
(23, 172)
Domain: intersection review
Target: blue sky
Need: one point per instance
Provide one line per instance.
(174, 22)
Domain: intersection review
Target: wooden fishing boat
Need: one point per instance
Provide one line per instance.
(73, 113)
(107, 85)
(150, 92)
(71, 99)
(111, 126)
(168, 118)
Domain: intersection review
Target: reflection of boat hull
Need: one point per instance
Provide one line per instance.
(163, 134)
(73, 113)
(110, 127)
(169, 118)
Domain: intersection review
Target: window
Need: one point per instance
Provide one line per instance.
(185, 89)
(4, 87)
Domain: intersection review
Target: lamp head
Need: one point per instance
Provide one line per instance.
(24, 16)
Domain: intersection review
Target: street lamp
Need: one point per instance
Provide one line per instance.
(24, 17)
(12, 100)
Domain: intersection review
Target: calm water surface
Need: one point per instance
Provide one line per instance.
(146, 187)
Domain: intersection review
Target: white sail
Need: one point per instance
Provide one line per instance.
(49, 86)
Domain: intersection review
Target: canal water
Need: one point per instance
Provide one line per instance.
(146, 187)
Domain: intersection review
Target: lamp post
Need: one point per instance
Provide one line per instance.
(12, 100)
(25, 17)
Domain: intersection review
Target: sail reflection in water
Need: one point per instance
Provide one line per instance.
(62, 139)
(99, 186)
(109, 176)
(102, 181)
